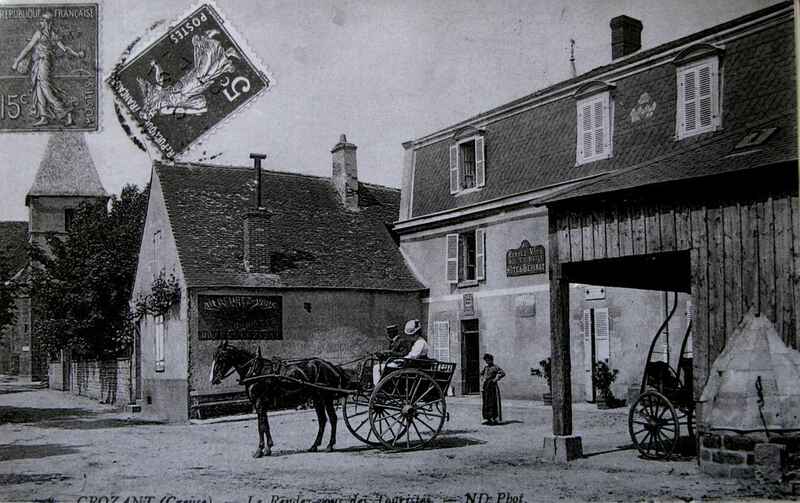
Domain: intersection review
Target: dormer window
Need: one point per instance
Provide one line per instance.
(698, 98)
(467, 161)
(594, 125)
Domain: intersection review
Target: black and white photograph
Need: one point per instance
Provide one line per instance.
(384, 251)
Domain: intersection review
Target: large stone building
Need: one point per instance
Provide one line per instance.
(473, 221)
(66, 178)
(295, 265)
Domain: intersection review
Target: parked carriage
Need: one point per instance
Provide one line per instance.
(666, 401)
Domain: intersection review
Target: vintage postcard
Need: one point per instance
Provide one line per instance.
(464, 251)
(188, 81)
(49, 67)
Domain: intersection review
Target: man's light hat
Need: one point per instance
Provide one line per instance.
(412, 327)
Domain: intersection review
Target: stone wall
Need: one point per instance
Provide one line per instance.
(749, 455)
(107, 381)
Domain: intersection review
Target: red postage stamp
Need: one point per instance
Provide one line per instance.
(188, 81)
(48, 67)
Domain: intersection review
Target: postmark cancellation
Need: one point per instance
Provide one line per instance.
(188, 81)
(49, 67)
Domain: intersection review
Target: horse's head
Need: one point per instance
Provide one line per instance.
(224, 362)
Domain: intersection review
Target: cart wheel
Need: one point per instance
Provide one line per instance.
(686, 419)
(355, 410)
(653, 425)
(407, 410)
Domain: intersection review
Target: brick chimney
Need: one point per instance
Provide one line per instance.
(256, 220)
(626, 36)
(345, 173)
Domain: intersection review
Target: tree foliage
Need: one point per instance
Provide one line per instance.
(9, 290)
(81, 289)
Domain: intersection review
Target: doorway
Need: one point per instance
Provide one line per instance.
(596, 345)
(470, 357)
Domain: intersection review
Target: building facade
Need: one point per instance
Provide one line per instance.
(294, 265)
(473, 222)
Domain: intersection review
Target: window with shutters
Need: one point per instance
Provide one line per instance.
(467, 164)
(595, 117)
(466, 259)
(698, 104)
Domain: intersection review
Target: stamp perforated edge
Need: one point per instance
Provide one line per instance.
(155, 36)
(98, 80)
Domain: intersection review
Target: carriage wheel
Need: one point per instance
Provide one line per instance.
(407, 410)
(653, 425)
(355, 410)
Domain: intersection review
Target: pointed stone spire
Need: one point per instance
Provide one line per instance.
(67, 169)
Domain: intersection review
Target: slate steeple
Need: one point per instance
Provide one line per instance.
(66, 178)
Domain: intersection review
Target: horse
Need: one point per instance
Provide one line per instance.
(315, 371)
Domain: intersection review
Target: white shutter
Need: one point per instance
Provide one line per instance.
(452, 258)
(689, 101)
(480, 254)
(587, 138)
(607, 125)
(588, 360)
(705, 112)
(441, 341)
(480, 162)
(597, 126)
(159, 342)
(601, 334)
(454, 178)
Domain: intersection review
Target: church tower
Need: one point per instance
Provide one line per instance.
(66, 178)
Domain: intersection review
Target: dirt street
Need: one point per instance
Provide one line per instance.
(59, 447)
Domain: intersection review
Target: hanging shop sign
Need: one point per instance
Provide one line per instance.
(242, 317)
(526, 259)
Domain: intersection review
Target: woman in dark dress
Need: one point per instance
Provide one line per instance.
(491, 374)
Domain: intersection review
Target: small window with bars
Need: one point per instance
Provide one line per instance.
(698, 103)
(594, 139)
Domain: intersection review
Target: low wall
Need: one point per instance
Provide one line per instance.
(107, 381)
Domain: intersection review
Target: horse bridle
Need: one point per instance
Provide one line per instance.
(235, 368)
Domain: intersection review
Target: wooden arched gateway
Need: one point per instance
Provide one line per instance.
(725, 231)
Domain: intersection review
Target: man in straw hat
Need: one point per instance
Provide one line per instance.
(411, 344)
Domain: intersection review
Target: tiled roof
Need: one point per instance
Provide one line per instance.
(536, 148)
(315, 241)
(67, 169)
(14, 244)
(717, 156)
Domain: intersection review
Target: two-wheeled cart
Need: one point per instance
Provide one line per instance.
(406, 409)
(666, 401)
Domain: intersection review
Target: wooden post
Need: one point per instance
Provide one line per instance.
(559, 340)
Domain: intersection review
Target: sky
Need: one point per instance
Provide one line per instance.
(381, 71)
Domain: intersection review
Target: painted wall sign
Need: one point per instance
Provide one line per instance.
(644, 108)
(468, 303)
(526, 259)
(243, 317)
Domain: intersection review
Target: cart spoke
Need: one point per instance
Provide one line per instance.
(426, 424)
(430, 388)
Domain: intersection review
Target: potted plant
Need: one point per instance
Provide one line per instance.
(543, 372)
(604, 377)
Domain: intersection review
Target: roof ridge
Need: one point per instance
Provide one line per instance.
(237, 168)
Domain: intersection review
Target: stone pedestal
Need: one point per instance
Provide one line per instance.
(561, 449)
